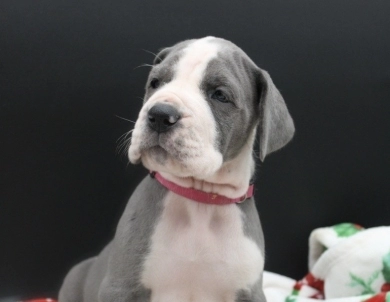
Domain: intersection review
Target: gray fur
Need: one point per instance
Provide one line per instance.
(114, 275)
(234, 71)
(253, 230)
(231, 73)
(276, 125)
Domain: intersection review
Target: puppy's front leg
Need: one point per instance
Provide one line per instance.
(114, 291)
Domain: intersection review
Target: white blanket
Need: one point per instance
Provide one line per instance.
(346, 264)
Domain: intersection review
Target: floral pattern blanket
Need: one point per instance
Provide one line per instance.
(347, 263)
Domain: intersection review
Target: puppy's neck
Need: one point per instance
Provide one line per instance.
(231, 180)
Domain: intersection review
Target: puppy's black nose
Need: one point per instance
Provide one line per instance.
(162, 117)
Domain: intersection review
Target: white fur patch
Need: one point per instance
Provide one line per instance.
(200, 253)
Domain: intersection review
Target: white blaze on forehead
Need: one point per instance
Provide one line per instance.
(196, 57)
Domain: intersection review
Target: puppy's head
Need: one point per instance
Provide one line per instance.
(204, 99)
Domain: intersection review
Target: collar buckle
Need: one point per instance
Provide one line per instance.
(243, 198)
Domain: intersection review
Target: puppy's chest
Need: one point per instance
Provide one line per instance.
(200, 253)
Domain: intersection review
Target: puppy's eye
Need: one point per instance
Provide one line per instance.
(155, 83)
(219, 96)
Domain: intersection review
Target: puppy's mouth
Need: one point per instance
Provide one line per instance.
(159, 154)
(162, 147)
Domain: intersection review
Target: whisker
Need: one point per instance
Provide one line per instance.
(122, 150)
(124, 137)
(143, 65)
(123, 147)
(124, 142)
(125, 134)
(151, 52)
(125, 119)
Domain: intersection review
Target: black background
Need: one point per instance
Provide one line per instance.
(68, 69)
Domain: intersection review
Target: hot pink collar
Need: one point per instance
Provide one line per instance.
(200, 196)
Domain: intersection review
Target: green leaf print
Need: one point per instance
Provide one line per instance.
(346, 229)
(291, 299)
(367, 289)
(386, 267)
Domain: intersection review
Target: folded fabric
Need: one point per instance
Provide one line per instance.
(346, 263)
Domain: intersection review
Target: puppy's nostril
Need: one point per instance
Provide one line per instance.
(167, 123)
(163, 117)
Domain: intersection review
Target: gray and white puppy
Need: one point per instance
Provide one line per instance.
(204, 101)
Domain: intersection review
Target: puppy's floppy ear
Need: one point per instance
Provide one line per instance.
(276, 127)
(161, 55)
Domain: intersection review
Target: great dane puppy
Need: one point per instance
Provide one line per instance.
(190, 231)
